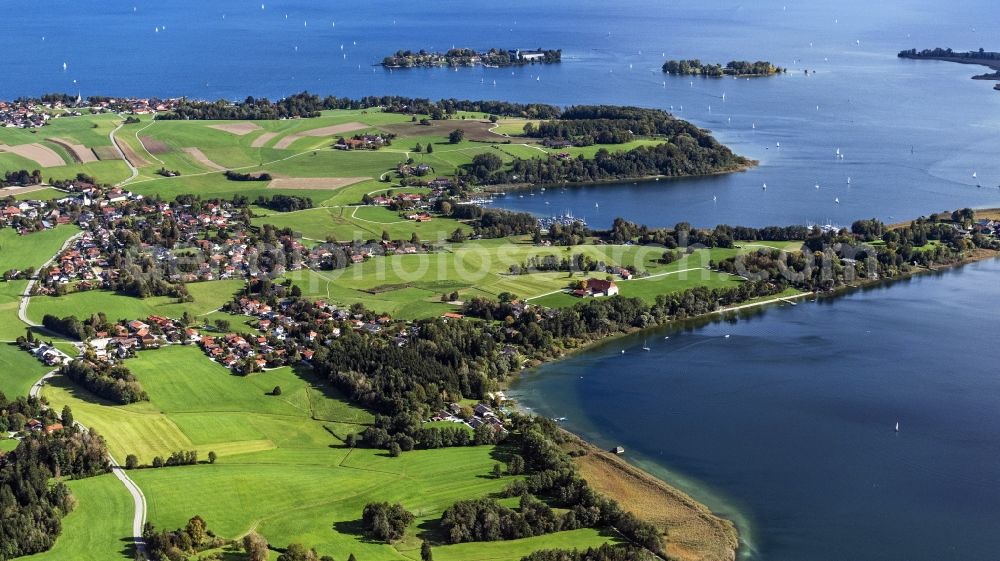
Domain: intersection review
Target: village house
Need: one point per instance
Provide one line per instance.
(596, 287)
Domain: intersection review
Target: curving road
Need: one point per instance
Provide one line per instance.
(114, 142)
(138, 499)
(22, 309)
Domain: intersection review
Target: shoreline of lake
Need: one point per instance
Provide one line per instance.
(619, 476)
(515, 187)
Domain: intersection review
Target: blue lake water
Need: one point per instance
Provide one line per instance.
(861, 99)
(786, 425)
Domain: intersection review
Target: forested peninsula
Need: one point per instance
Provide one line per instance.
(982, 57)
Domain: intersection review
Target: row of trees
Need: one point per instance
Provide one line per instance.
(981, 54)
(70, 326)
(21, 178)
(683, 235)
(578, 262)
(603, 553)
(284, 203)
(305, 104)
(237, 176)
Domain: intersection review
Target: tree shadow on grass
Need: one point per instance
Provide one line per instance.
(503, 452)
(354, 528)
(78, 392)
(318, 384)
(128, 548)
(432, 532)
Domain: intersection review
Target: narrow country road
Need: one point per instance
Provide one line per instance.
(114, 142)
(138, 499)
(22, 309)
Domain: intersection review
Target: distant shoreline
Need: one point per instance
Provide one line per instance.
(989, 63)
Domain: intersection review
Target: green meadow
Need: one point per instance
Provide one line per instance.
(208, 296)
(98, 528)
(283, 468)
(31, 250)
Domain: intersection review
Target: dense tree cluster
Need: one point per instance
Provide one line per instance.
(21, 178)
(298, 552)
(385, 522)
(553, 477)
(495, 223)
(181, 543)
(284, 203)
(70, 326)
(577, 262)
(178, 458)
(487, 520)
(112, 382)
(442, 362)
(981, 54)
(31, 508)
(237, 176)
(574, 233)
(732, 68)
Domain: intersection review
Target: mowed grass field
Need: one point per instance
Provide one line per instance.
(31, 250)
(18, 370)
(97, 529)
(283, 468)
(208, 296)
